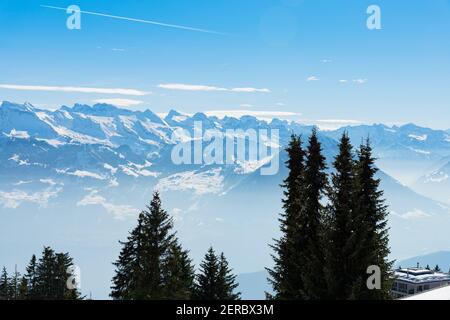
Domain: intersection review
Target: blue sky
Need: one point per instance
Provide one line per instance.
(271, 48)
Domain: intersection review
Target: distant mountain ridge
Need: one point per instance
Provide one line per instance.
(79, 175)
(106, 143)
(107, 124)
(441, 258)
(409, 152)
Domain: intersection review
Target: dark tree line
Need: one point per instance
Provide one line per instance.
(45, 278)
(153, 265)
(333, 226)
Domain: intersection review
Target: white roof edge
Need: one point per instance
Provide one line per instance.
(442, 293)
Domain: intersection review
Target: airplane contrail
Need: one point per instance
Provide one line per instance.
(141, 21)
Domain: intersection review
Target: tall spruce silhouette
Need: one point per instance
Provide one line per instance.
(215, 280)
(151, 264)
(227, 284)
(178, 274)
(372, 235)
(30, 278)
(4, 285)
(312, 253)
(284, 277)
(342, 246)
(51, 275)
(325, 250)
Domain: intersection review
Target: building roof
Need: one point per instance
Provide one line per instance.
(418, 275)
(442, 293)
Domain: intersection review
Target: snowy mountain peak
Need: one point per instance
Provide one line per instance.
(26, 107)
(409, 126)
(152, 117)
(199, 116)
(82, 108)
(173, 113)
(174, 117)
(100, 109)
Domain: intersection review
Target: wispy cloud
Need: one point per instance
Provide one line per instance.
(118, 211)
(119, 102)
(312, 78)
(339, 121)
(192, 87)
(413, 215)
(161, 24)
(201, 183)
(121, 91)
(326, 60)
(357, 81)
(189, 87)
(332, 124)
(265, 115)
(249, 90)
(15, 198)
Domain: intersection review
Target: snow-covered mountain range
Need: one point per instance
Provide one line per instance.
(75, 178)
(106, 143)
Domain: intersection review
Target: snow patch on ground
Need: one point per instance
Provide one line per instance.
(136, 172)
(247, 167)
(81, 174)
(200, 182)
(423, 137)
(113, 183)
(106, 124)
(53, 142)
(50, 182)
(110, 168)
(435, 294)
(76, 137)
(436, 177)
(18, 134)
(16, 158)
(21, 182)
(420, 151)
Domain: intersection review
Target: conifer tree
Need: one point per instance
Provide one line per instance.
(284, 278)
(226, 281)
(23, 289)
(4, 285)
(14, 285)
(311, 217)
(372, 234)
(128, 266)
(30, 277)
(64, 263)
(141, 268)
(341, 243)
(215, 280)
(157, 240)
(45, 279)
(45, 275)
(178, 274)
(206, 288)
